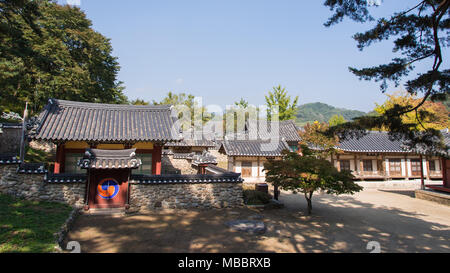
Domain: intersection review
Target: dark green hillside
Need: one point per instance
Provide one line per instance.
(322, 112)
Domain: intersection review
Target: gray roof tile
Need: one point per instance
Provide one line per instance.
(81, 121)
(254, 147)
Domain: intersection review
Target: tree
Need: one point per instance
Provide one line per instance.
(437, 116)
(139, 102)
(419, 35)
(241, 103)
(196, 111)
(62, 57)
(314, 136)
(308, 173)
(279, 98)
(336, 120)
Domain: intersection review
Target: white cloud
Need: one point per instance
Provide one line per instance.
(179, 81)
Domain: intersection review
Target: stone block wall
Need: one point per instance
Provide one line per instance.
(10, 140)
(222, 159)
(33, 187)
(212, 195)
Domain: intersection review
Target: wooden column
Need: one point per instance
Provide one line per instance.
(422, 182)
(59, 163)
(427, 162)
(258, 162)
(407, 166)
(156, 159)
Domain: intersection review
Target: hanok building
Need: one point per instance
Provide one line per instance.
(120, 146)
(247, 156)
(376, 157)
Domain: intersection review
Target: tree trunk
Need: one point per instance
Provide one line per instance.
(308, 197)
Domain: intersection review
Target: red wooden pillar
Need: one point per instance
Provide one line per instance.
(59, 163)
(156, 161)
(445, 174)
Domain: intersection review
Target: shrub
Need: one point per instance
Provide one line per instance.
(253, 197)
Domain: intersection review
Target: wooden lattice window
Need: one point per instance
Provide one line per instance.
(367, 165)
(395, 167)
(246, 168)
(415, 167)
(345, 165)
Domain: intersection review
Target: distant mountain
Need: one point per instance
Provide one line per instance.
(322, 112)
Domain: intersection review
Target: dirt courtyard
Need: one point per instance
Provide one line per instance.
(395, 219)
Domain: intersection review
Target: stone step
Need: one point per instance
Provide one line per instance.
(106, 211)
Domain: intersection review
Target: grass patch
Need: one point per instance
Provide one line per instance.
(254, 197)
(28, 226)
(37, 156)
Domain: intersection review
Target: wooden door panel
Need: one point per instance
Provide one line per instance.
(108, 188)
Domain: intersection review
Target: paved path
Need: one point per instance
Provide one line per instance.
(398, 221)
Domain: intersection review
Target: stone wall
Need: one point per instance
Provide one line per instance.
(10, 140)
(169, 165)
(33, 187)
(222, 159)
(212, 195)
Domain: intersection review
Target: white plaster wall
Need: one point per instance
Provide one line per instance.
(424, 166)
(261, 169)
(237, 166)
(408, 166)
(386, 166)
(255, 168)
(403, 164)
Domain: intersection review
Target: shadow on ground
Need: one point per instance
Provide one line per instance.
(338, 224)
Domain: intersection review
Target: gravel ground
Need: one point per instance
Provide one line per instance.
(393, 218)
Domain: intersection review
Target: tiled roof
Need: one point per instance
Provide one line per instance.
(9, 159)
(191, 143)
(109, 159)
(65, 178)
(81, 121)
(214, 169)
(186, 178)
(372, 142)
(204, 158)
(262, 129)
(10, 125)
(190, 139)
(32, 168)
(254, 147)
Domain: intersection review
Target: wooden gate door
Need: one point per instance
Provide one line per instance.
(108, 188)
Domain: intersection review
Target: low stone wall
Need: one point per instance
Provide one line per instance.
(212, 195)
(33, 187)
(397, 184)
(442, 198)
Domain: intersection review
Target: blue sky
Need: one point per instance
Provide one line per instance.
(223, 50)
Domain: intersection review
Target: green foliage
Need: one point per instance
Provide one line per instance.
(419, 35)
(29, 226)
(315, 135)
(254, 197)
(38, 156)
(182, 100)
(336, 120)
(61, 57)
(139, 102)
(308, 173)
(321, 112)
(241, 103)
(280, 98)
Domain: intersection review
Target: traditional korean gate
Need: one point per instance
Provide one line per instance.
(108, 188)
(109, 171)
